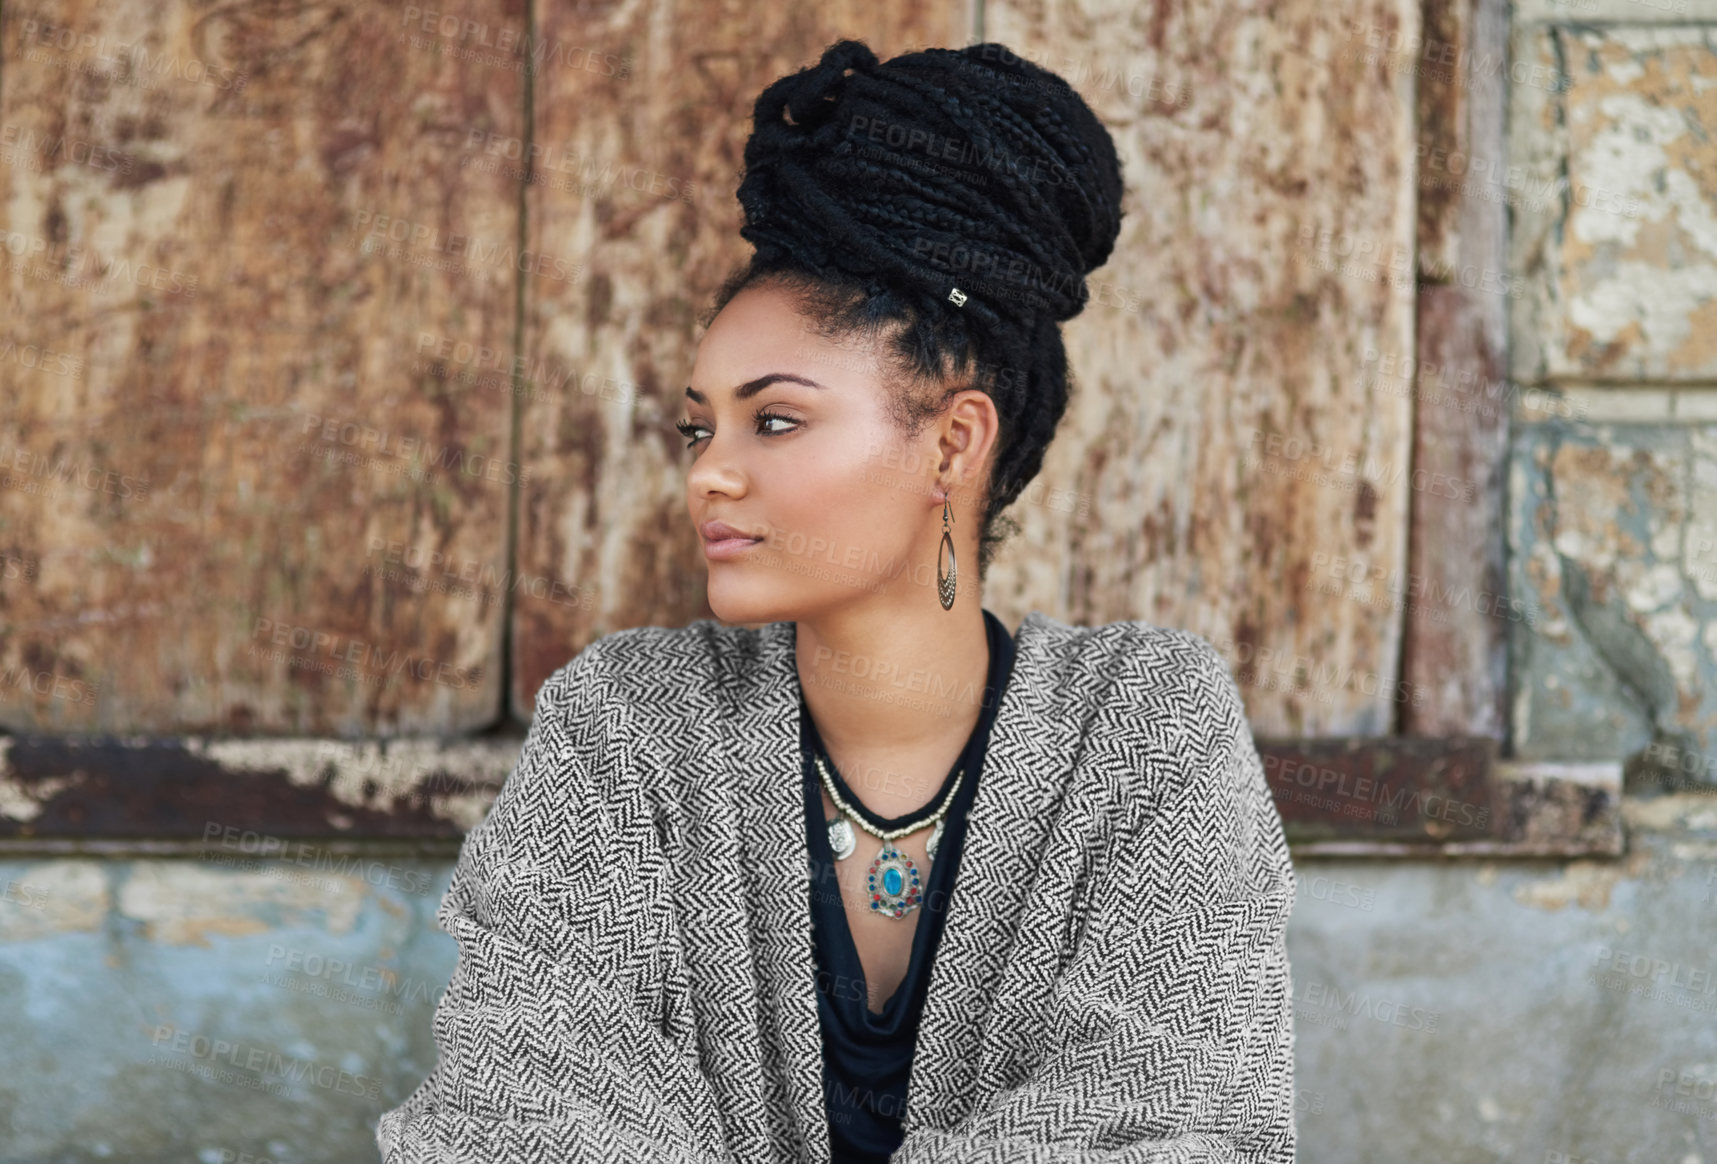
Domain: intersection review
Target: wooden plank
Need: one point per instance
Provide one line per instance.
(636, 174)
(1232, 447)
(1454, 595)
(1396, 788)
(205, 213)
(1405, 795)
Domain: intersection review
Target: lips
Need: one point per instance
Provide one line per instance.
(716, 532)
(722, 541)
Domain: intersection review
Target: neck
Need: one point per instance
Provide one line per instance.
(882, 684)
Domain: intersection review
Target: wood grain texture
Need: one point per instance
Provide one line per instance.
(244, 507)
(1239, 455)
(1458, 615)
(636, 176)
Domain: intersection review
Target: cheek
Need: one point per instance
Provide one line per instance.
(848, 504)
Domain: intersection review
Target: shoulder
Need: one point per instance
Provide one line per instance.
(1195, 787)
(1172, 684)
(647, 663)
(1198, 671)
(581, 744)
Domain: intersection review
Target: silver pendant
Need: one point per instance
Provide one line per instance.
(893, 882)
(841, 838)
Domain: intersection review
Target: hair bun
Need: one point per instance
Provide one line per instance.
(805, 95)
(968, 168)
(1094, 169)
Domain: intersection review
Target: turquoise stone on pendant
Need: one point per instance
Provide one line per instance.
(893, 881)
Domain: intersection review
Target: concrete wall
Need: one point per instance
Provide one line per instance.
(1478, 1010)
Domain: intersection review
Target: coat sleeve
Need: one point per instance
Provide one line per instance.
(1172, 1034)
(548, 1037)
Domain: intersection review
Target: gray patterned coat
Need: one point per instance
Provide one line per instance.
(635, 978)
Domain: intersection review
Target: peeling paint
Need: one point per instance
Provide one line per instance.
(1603, 534)
(186, 903)
(369, 774)
(1624, 262)
(1682, 812)
(24, 802)
(1585, 883)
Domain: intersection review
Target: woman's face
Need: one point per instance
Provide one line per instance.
(791, 444)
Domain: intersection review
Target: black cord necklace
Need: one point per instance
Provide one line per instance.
(893, 879)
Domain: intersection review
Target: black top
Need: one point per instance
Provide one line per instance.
(867, 1058)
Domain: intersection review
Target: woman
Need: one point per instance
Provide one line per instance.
(853, 874)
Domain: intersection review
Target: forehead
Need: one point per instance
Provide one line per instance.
(761, 331)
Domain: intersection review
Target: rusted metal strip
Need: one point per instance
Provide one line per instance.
(1405, 788)
(1372, 796)
(191, 788)
(1401, 795)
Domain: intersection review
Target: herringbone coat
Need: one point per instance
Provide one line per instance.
(635, 978)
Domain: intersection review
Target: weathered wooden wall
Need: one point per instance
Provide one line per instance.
(638, 179)
(405, 298)
(1454, 597)
(234, 227)
(1613, 471)
(1227, 436)
(358, 333)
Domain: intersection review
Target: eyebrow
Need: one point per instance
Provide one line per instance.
(752, 387)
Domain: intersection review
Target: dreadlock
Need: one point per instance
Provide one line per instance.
(879, 194)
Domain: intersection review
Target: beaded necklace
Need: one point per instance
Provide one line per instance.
(895, 888)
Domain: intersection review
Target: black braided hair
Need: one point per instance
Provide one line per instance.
(879, 193)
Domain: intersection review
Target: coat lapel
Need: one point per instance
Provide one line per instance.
(766, 746)
(1023, 776)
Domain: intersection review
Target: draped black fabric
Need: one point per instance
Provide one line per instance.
(867, 1057)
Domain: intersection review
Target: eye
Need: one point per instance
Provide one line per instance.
(765, 416)
(685, 430)
(689, 430)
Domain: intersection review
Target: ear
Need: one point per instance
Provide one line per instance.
(966, 441)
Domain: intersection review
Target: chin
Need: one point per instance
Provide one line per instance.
(744, 601)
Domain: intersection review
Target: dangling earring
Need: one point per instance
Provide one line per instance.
(945, 583)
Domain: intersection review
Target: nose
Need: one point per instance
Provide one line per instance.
(715, 472)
